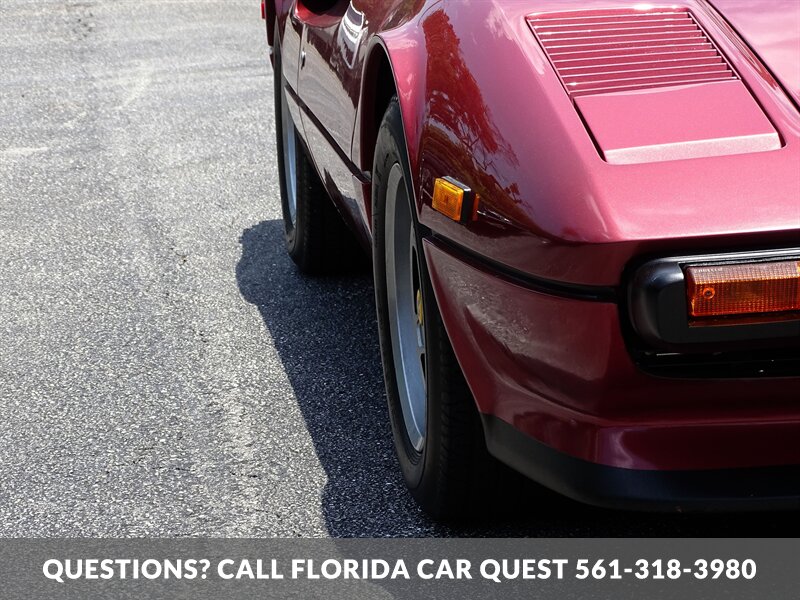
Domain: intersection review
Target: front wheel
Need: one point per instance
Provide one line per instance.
(437, 432)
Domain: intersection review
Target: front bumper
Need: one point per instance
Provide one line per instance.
(755, 488)
(557, 369)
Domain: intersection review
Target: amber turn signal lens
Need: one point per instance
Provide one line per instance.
(454, 200)
(743, 290)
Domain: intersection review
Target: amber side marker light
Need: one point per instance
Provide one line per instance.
(454, 200)
(756, 290)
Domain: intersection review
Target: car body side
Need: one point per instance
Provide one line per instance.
(533, 293)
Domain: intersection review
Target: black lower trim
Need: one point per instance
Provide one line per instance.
(591, 293)
(759, 363)
(760, 488)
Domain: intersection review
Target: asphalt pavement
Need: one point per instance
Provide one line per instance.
(164, 369)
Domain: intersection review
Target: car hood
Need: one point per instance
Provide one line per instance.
(772, 29)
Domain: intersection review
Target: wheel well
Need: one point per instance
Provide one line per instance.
(379, 89)
(271, 17)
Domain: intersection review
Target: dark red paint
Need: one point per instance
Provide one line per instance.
(481, 102)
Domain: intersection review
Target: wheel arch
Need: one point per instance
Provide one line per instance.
(275, 11)
(395, 66)
(271, 14)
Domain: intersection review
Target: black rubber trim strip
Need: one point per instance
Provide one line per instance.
(574, 291)
(362, 176)
(758, 488)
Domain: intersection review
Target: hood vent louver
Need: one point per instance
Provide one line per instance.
(596, 52)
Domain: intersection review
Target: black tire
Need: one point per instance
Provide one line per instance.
(453, 472)
(317, 239)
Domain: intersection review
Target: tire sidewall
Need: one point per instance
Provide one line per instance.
(390, 150)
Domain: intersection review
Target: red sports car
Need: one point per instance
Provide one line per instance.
(584, 224)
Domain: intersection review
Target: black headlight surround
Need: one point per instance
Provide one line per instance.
(658, 312)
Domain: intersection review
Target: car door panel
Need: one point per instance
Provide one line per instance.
(328, 85)
(290, 60)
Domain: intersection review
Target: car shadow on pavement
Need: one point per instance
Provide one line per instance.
(325, 333)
